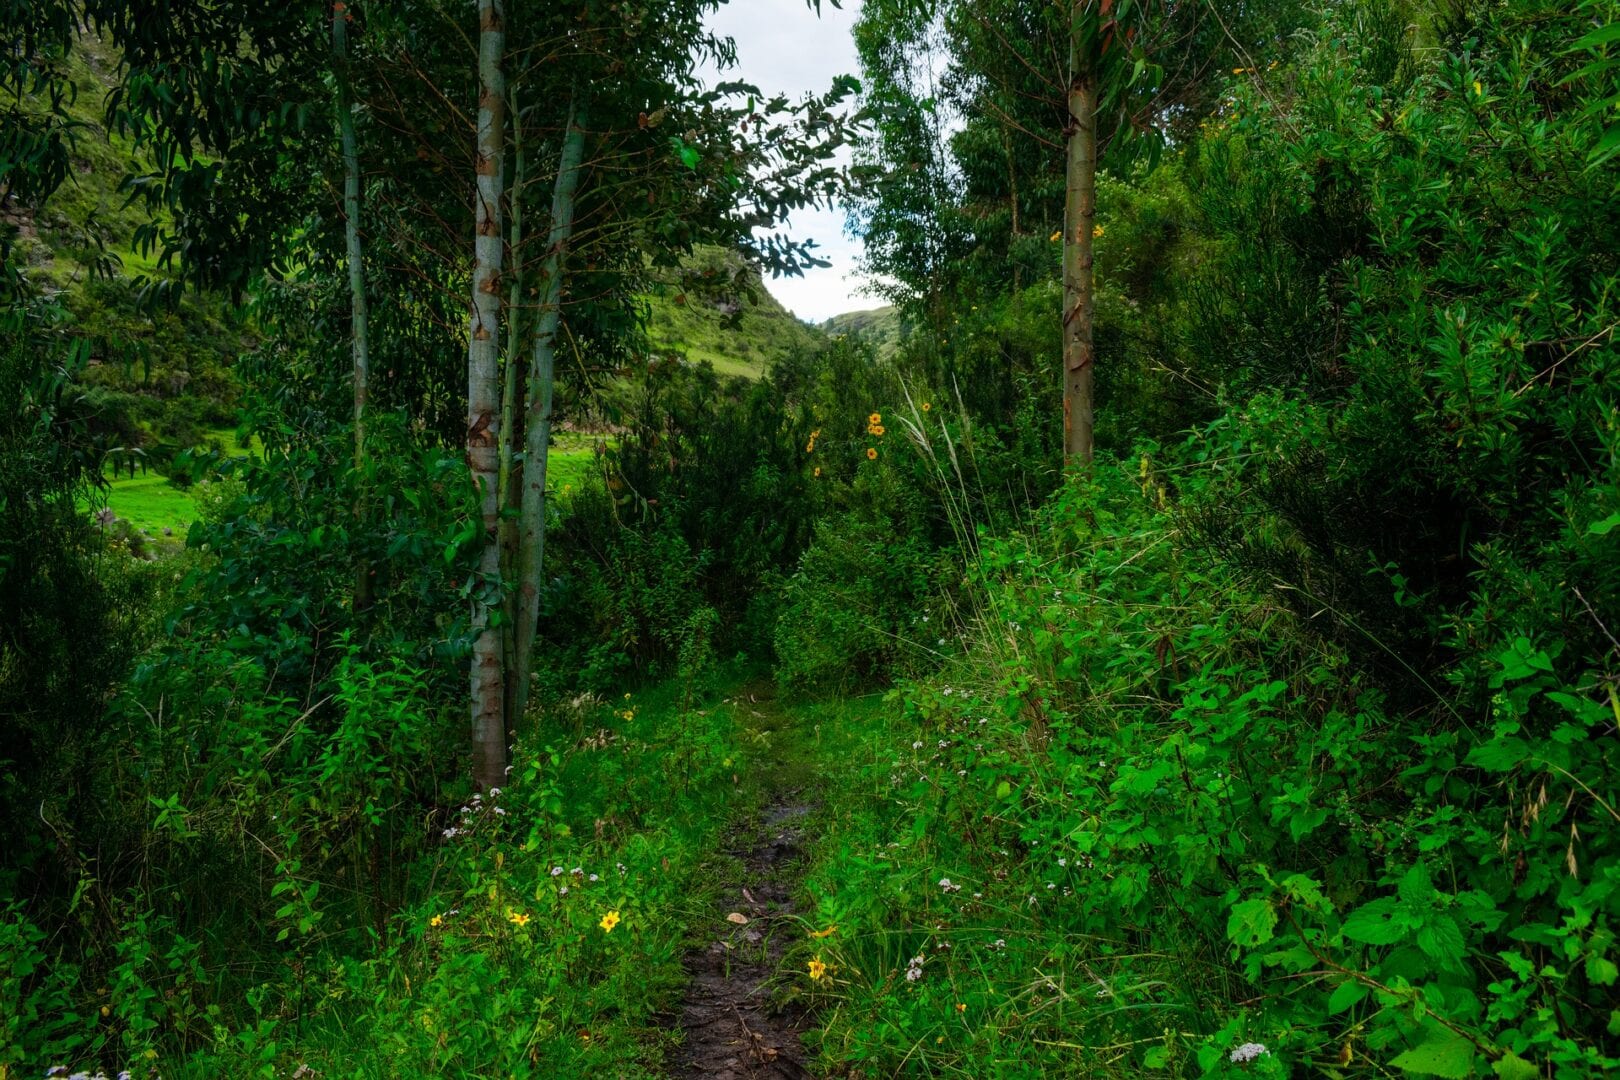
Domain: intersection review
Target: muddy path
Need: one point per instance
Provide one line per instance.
(732, 1030)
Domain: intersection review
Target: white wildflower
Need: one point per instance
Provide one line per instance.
(1248, 1052)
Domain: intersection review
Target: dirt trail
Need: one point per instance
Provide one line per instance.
(732, 1030)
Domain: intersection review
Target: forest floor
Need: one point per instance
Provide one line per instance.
(733, 1026)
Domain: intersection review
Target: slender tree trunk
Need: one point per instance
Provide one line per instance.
(1012, 199)
(483, 403)
(537, 421)
(1080, 212)
(511, 365)
(357, 272)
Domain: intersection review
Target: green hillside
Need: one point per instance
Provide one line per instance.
(717, 309)
(881, 327)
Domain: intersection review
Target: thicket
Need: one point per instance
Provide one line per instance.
(1287, 746)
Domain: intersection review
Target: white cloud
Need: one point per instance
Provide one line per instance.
(784, 47)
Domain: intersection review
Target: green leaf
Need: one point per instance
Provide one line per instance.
(1416, 889)
(1511, 1066)
(1601, 970)
(1441, 940)
(1444, 1055)
(1606, 526)
(1500, 754)
(1251, 923)
(1347, 995)
(1603, 35)
(1377, 923)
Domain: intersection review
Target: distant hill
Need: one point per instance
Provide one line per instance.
(881, 327)
(704, 312)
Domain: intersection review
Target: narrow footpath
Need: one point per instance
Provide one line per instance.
(733, 1031)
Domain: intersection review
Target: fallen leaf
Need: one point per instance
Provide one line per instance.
(737, 917)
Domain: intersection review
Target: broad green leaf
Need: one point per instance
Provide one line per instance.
(1445, 1055)
(1441, 940)
(1601, 970)
(1416, 888)
(1251, 923)
(1347, 995)
(1511, 1066)
(1500, 754)
(1377, 923)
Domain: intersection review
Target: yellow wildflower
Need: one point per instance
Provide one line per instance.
(829, 932)
(960, 1007)
(437, 920)
(875, 418)
(517, 918)
(818, 970)
(818, 471)
(1055, 237)
(875, 429)
(871, 453)
(1096, 230)
(926, 406)
(609, 921)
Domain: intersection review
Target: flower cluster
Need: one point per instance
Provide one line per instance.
(914, 967)
(469, 813)
(1248, 1052)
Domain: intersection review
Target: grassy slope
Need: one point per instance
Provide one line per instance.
(880, 326)
(687, 321)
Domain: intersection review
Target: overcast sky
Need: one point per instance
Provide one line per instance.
(783, 47)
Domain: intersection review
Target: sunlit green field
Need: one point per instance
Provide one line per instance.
(152, 504)
(571, 461)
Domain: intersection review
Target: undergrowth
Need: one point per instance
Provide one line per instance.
(538, 931)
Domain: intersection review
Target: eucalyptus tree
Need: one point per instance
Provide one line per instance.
(489, 732)
(647, 165)
(1041, 94)
(228, 100)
